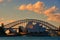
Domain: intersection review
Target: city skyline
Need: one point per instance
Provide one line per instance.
(46, 10)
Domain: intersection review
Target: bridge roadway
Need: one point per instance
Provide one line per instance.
(54, 32)
(18, 28)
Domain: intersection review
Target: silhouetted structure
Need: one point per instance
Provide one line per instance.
(31, 29)
(36, 30)
(59, 28)
(29, 26)
(20, 29)
(2, 32)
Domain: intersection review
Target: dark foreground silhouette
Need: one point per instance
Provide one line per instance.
(30, 30)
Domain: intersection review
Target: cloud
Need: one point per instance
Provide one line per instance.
(29, 7)
(50, 11)
(22, 7)
(6, 21)
(1, 1)
(37, 7)
(52, 15)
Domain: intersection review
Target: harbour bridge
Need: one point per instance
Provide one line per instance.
(51, 28)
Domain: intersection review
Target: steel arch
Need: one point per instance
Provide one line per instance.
(34, 20)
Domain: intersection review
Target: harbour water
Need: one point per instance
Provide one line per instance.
(29, 38)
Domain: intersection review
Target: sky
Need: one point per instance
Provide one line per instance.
(46, 10)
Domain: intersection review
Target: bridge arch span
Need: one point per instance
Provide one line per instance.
(50, 26)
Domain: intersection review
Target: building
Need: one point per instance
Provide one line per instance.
(2, 32)
(36, 29)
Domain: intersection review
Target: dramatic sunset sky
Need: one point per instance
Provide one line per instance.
(46, 10)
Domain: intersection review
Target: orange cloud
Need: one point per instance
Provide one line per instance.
(37, 7)
(29, 7)
(1, 1)
(22, 7)
(54, 17)
(50, 11)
